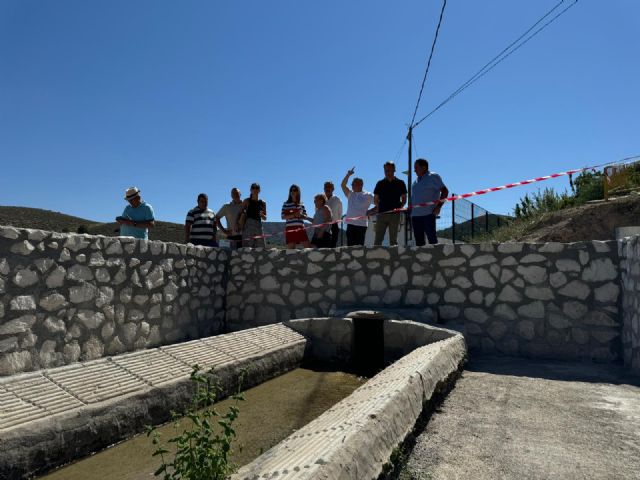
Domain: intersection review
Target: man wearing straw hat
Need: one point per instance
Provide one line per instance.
(137, 217)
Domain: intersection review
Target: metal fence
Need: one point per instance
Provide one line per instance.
(463, 221)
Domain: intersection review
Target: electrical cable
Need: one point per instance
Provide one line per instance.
(503, 55)
(426, 72)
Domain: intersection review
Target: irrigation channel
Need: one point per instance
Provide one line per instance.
(271, 412)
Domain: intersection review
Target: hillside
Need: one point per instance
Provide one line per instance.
(25, 217)
(593, 221)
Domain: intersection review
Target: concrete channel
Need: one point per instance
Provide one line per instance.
(57, 415)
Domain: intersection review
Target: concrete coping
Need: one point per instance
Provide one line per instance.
(367, 314)
(355, 438)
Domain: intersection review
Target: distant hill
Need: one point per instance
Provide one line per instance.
(25, 217)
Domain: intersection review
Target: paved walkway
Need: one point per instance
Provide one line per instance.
(520, 419)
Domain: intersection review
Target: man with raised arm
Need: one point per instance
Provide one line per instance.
(358, 202)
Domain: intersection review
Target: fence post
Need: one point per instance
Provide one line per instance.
(472, 221)
(453, 220)
(486, 221)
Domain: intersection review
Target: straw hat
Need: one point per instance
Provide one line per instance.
(131, 193)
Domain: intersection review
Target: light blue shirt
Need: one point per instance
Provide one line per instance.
(142, 213)
(425, 189)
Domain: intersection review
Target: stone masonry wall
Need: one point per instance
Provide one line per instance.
(542, 300)
(629, 250)
(65, 298)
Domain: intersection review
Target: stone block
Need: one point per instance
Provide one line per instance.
(509, 294)
(539, 293)
(504, 311)
(19, 325)
(533, 274)
(567, 265)
(454, 295)
(533, 258)
(557, 279)
(526, 329)
(53, 302)
(574, 310)
(399, 277)
(482, 278)
(532, 310)
(414, 297)
(607, 293)
(449, 312)
(497, 329)
(22, 248)
(575, 289)
(509, 247)
(482, 260)
(25, 278)
(600, 270)
(477, 315)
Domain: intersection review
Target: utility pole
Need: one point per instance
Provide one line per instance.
(407, 227)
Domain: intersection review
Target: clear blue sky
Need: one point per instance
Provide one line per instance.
(183, 97)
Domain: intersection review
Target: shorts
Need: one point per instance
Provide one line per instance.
(295, 234)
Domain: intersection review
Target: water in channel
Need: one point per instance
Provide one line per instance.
(270, 413)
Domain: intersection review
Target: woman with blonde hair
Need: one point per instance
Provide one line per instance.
(322, 218)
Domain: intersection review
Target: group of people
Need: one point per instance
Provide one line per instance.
(244, 218)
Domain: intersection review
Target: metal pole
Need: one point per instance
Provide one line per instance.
(472, 222)
(486, 221)
(407, 227)
(453, 220)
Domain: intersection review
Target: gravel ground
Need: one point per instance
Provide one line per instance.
(521, 419)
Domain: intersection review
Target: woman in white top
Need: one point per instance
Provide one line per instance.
(358, 202)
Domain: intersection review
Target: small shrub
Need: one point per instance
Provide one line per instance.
(82, 229)
(588, 186)
(542, 201)
(202, 450)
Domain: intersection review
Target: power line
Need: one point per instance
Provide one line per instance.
(503, 55)
(397, 157)
(433, 47)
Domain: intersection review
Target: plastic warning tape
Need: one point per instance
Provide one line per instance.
(453, 198)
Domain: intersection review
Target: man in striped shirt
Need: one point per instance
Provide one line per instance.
(200, 225)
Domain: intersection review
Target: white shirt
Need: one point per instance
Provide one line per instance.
(335, 204)
(357, 206)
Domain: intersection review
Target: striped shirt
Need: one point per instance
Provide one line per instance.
(288, 208)
(203, 224)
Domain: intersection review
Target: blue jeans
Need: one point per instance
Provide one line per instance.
(424, 225)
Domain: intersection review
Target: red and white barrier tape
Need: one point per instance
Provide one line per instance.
(460, 197)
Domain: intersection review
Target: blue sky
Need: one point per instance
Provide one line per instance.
(183, 97)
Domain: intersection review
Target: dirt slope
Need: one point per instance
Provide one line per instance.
(594, 221)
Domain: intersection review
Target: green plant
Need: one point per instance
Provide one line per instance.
(203, 449)
(542, 201)
(588, 186)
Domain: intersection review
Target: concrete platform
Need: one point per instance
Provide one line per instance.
(521, 419)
